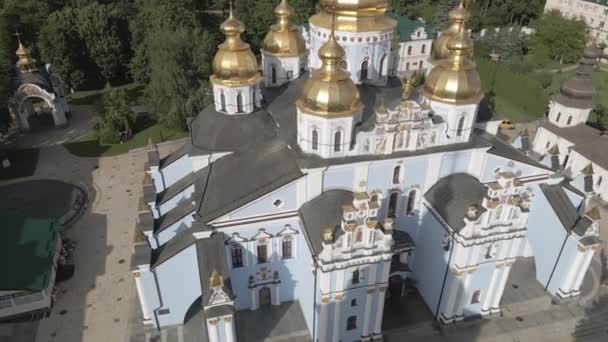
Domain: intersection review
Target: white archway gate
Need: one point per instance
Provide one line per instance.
(23, 108)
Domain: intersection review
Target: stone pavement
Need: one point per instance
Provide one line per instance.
(96, 303)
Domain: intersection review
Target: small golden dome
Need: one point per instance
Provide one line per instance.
(329, 92)
(354, 15)
(25, 61)
(457, 18)
(455, 80)
(234, 64)
(284, 39)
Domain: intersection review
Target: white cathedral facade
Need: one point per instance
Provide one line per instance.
(325, 182)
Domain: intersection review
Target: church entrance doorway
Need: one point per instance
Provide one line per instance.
(264, 297)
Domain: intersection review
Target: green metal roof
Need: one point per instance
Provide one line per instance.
(407, 26)
(27, 251)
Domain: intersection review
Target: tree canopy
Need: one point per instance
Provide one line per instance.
(559, 38)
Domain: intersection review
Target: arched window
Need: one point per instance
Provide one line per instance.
(421, 64)
(222, 101)
(343, 65)
(423, 49)
(569, 120)
(599, 180)
(382, 66)
(411, 202)
(476, 297)
(356, 277)
(559, 115)
(315, 139)
(397, 174)
(392, 205)
(337, 141)
(364, 69)
(460, 126)
(398, 141)
(239, 103)
(274, 75)
(407, 66)
(237, 255)
(409, 50)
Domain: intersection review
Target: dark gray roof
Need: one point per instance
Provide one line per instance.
(561, 204)
(244, 176)
(171, 248)
(590, 240)
(451, 196)
(581, 226)
(39, 77)
(503, 149)
(174, 215)
(180, 186)
(576, 134)
(587, 141)
(211, 254)
(220, 310)
(324, 211)
(402, 239)
(214, 131)
(176, 155)
(141, 254)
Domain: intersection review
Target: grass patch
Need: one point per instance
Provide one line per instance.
(89, 146)
(94, 97)
(521, 97)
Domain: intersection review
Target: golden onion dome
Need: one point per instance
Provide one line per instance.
(457, 18)
(455, 80)
(24, 58)
(234, 63)
(354, 15)
(329, 92)
(284, 39)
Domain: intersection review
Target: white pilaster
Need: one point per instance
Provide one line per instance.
(212, 331)
(337, 317)
(464, 294)
(254, 298)
(323, 321)
(491, 292)
(369, 298)
(572, 272)
(583, 270)
(448, 312)
(276, 296)
(501, 286)
(380, 311)
(230, 329)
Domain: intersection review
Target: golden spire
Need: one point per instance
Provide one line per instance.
(234, 64)
(25, 62)
(284, 39)
(406, 88)
(455, 79)
(329, 91)
(457, 17)
(216, 281)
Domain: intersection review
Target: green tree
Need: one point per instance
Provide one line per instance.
(155, 16)
(600, 115)
(180, 64)
(58, 39)
(564, 39)
(98, 26)
(115, 122)
(26, 16)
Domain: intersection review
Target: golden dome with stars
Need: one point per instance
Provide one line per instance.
(354, 15)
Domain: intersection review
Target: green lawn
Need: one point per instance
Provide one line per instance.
(521, 97)
(89, 146)
(93, 97)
